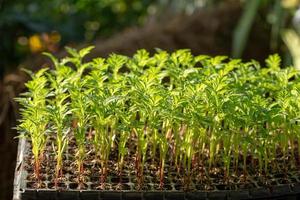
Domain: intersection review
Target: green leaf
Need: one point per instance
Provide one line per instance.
(83, 52)
(273, 62)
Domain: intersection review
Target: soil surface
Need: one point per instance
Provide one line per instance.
(175, 178)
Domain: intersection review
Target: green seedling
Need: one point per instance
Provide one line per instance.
(35, 118)
(195, 115)
(59, 112)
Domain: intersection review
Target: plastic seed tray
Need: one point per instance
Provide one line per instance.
(173, 190)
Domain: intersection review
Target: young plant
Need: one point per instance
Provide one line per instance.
(35, 118)
(59, 114)
(77, 88)
(140, 98)
(124, 127)
(189, 114)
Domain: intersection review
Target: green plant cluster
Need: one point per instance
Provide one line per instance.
(175, 108)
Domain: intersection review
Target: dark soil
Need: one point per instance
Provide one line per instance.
(201, 177)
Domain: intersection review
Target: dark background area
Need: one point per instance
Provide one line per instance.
(244, 29)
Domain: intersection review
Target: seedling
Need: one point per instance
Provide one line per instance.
(35, 117)
(192, 117)
(59, 112)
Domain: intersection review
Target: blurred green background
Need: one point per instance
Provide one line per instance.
(31, 26)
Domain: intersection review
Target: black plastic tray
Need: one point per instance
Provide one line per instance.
(285, 191)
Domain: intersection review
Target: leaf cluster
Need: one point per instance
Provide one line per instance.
(198, 110)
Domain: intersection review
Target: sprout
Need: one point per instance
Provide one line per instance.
(192, 115)
(59, 112)
(33, 124)
(79, 105)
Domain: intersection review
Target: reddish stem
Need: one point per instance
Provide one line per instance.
(37, 170)
(161, 183)
(138, 170)
(120, 172)
(80, 174)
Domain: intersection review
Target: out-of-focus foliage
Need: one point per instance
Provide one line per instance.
(33, 26)
(278, 14)
(38, 25)
(243, 28)
(292, 41)
(185, 6)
